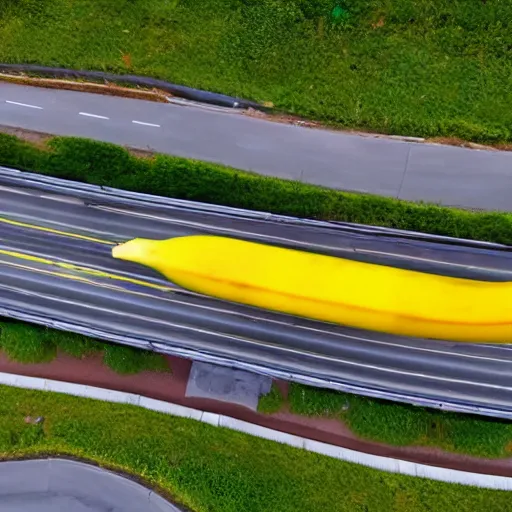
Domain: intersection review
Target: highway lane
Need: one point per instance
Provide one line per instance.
(56, 269)
(83, 210)
(441, 174)
(50, 485)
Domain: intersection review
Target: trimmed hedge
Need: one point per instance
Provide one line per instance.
(110, 165)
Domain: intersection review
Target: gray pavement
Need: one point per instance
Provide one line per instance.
(227, 384)
(52, 485)
(447, 175)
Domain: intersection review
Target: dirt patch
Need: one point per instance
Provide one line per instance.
(283, 386)
(378, 24)
(327, 425)
(140, 153)
(106, 88)
(503, 147)
(283, 118)
(453, 141)
(39, 139)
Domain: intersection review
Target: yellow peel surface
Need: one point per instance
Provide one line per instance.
(356, 294)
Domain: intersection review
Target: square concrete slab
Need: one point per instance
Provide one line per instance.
(226, 384)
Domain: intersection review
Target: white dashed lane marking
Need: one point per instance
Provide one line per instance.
(23, 104)
(146, 124)
(86, 114)
(92, 115)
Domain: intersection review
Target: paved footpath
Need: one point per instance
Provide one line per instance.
(446, 175)
(52, 485)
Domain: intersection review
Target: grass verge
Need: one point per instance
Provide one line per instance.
(129, 360)
(214, 469)
(407, 67)
(405, 425)
(271, 402)
(32, 344)
(110, 165)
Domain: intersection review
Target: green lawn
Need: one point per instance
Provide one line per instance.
(26, 343)
(413, 67)
(213, 469)
(271, 402)
(404, 425)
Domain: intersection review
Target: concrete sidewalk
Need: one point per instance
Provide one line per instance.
(52, 485)
(454, 176)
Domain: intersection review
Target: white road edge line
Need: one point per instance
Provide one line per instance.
(285, 349)
(147, 124)
(91, 115)
(23, 104)
(217, 420)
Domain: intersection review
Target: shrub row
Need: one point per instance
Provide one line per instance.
(32, 344)
(110, 165)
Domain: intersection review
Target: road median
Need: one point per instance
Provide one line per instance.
(109, 165)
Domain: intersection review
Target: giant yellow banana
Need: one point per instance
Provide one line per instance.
(331, 289)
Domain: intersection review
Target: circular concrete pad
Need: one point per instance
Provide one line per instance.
(55, 485)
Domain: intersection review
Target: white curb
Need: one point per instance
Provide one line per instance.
(374, 461)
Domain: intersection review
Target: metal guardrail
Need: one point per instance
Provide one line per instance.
(458, 377)
(71, 187)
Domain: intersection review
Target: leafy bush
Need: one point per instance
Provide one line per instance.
(314, 9)
(26, 345)
(107, 164)
(75, 345)
(128, 360)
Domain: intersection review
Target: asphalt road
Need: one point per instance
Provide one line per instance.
(50, 485)
(434, 173)
(68, 280)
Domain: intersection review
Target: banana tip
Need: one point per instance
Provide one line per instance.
(117, 251)
(134, 250)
